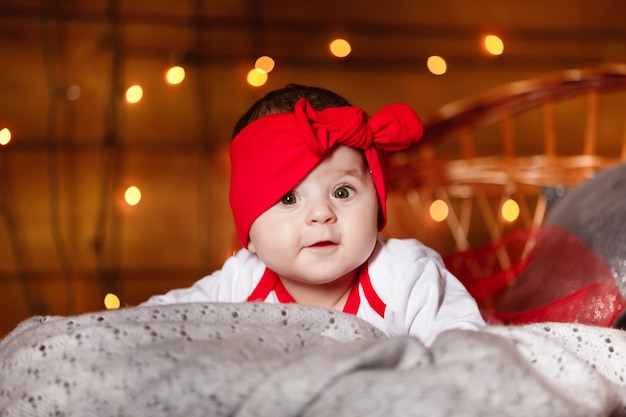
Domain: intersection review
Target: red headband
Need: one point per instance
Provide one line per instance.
(271, 155)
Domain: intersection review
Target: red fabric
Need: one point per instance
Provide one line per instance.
(271, 282)
(264, 287)
(353, 302)
(282, 294)
(271, 155)
(561, 280)
(373, 299)
(479, 269)
(595, 304)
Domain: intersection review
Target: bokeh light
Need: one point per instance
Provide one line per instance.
(438, 210)
(436, 65)
(493, 45)
(72, 93)
(175, 75)
(5, 136)
(265, 64)
(134, 94)
(111, 301)
(340, 48)
(257, 78)
(510, 210)
(132, 196)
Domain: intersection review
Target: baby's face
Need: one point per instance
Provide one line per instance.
(326, 227)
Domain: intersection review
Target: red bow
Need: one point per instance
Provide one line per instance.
(271, 155)
(389, 129)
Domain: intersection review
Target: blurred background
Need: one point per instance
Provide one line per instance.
(115, 116)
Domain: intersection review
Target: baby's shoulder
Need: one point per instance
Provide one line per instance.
(241, 265)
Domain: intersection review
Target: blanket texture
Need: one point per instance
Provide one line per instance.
(292, 360)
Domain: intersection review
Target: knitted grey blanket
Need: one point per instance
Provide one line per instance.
(292, 360)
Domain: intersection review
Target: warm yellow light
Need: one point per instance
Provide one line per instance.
(438, 210)
(5, 136)
(111, 301)
(340, 48)
(436, 65)
(132, 195)
(257, 78)
(510, 210)
(175, 75)
(494, 45)
(265, 64)
(134, 93)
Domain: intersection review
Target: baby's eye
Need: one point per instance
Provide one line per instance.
(343, 192)
(289, 198)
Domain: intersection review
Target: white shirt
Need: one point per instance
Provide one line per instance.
(405, 289)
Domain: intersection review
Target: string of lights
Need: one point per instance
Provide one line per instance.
(108, 226)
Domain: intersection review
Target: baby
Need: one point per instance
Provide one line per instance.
(308, 189)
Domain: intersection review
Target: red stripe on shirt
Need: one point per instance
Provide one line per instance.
(282, 294)
(270, 282)
(372, 298)
(354, 300)
(264, 287)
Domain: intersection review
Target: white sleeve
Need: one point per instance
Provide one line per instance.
(425, 298)
(234, 282)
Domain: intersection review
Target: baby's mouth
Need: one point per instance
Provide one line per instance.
(322, 244)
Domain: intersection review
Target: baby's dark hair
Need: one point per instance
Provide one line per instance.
(284, 100)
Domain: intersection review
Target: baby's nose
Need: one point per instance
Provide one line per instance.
(321, 212)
